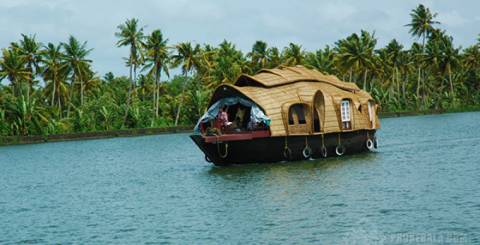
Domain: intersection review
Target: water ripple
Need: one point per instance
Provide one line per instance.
(423, 182)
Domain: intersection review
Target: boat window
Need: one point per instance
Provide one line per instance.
(296, 114)
(346, 114)
(370, 112)
(316, 121)
(290, 117)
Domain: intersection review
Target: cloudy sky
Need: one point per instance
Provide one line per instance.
(310, 23)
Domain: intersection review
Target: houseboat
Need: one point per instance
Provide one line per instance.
(286, 114)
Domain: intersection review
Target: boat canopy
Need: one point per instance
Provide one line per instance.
(256, 114)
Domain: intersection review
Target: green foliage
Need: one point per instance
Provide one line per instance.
(52, 88)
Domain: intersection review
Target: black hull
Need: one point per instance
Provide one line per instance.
(272, 149)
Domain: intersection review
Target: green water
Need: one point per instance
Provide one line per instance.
(421, 186)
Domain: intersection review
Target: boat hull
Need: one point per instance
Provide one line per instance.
(272, 149)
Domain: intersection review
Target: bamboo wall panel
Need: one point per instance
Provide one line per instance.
(299, 84)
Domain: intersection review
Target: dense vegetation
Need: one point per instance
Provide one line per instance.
(52, 88)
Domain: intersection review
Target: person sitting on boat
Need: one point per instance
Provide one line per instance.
(237, 124)
(222, 118)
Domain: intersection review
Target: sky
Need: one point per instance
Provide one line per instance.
(313, 24)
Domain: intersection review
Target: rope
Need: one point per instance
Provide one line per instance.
(307, 151)
(323, 149)
(286, 151)
(218, 149)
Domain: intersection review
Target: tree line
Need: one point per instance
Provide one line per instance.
(52, 88)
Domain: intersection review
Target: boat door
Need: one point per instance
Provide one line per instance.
(318, 112)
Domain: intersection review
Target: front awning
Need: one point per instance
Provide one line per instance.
(256, 114)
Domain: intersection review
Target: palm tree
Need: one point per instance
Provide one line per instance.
(78, 64)
(405, 66)
(12, 66)
(355, 53)
(394, 51)
(471, 57)
(206, 65)
(322, 60)
(92, 84)
(471, 63)
(29, 49)
(418, 57)
(187, 58)
(274, 58)
(25, 114)
(421, 25)
(130, 34)
(422, 22)
(157, 58)
(54, 72)
(258, 56)
(229, 63)
(448, 59)
(293, 54)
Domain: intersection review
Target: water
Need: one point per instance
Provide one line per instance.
(421, 186)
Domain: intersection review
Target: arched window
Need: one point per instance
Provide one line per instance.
(296, 114)
(371, 113)
(297, 117)
(346, 114)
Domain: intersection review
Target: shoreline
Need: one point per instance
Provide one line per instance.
(37, 139)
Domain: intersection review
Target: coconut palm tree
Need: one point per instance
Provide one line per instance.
(229, 63)
(273, 57)
(471, 57)
(355, 53)
(13, 67)
(417, 55)
(258, 56)
(157, 57)
(394, 50)
(131, 34)
(206, 65)
(29, 49)
(421, 26)
(78, 65)
(322, 60)
(385, 73)
(405, 66)
(422, 22)
(26, 115)
(293, 55)
(54, 72)
(448, 60)
(186, 58)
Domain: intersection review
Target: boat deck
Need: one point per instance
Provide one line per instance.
(237, 136)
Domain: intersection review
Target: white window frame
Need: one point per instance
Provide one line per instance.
(370, 110)
(370, 113)
(345, 111)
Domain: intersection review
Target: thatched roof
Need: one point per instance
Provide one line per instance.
(273, 88)
(286, 75)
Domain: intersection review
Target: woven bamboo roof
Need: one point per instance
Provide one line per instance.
(286, 75)
(273, 88)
